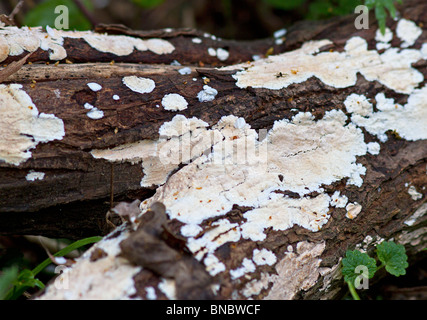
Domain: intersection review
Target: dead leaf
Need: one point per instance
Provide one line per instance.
(123, 212)
(147, 248)
(128, 211)
(6, 20)
(58, 260)
(13, 67)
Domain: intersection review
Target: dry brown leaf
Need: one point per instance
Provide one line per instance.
(13, 67)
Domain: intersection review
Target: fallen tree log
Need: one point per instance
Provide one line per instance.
(269, 166)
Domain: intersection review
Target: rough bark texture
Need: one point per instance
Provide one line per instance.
(72, 198)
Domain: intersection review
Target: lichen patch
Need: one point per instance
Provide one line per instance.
(424, 51)
(94, 86)
(213, 265)
(415, 195)
(139, 84)
(244, 171)
(279, 33)
(119, 45)
(159, 46)
(264, 257)
(338, 201)
(254, 287)
(409, 121)
(297, 155)
(281, 213)
(247, 267)
(223, 231)
(174, 102)
(353, 210)
(207, 94)
(408, 32)
(358, 104)
(181, 140)
(338, 69)
(95, 113)
(374, 148)
(34, 175)
(296, 271)
(222, 54)
(167, 286)
(212, 52)
(383, 40)
(26, 39)
(185, 70)
(17, 40)
(229, 164)
(22, 127)
(4, 49)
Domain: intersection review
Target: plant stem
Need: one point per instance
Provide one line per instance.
(382, 265)
(65, 251)
(353, 291)
(16, 291)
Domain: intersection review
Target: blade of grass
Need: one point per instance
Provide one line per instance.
(353, 291)
(16, 292)
(65, 251)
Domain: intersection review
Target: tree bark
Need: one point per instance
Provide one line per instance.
(348, 173)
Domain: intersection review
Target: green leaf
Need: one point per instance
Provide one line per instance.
(322, 9)
(39, 284)
(75, 245)
(381, 16)
(390, 7)
(26, 278)
(354, 259)
(346, 7)
(148, 3)
(44, 14)
(370, 3)
(285, 4)
(319, 9)
(394, 257)
(7, 278)
(380, 12)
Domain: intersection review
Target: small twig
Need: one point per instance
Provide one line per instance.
(85, 12)
(57, 260)
(16, 9)
(13, 67)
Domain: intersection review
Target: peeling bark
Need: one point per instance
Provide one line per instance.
(342, 172)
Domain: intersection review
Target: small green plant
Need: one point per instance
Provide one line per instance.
(13, 283)
(380, 10)
(359, 266)
(148, 3)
